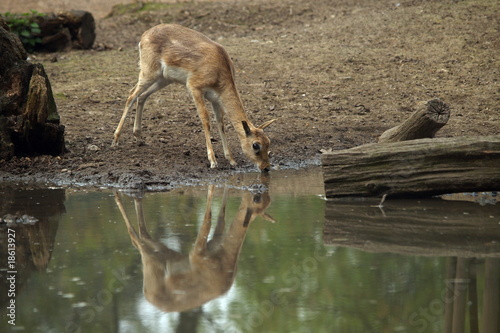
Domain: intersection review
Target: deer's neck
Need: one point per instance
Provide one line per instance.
(235, 236)
(233, 106)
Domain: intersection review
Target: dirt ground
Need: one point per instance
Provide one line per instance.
(335, 73)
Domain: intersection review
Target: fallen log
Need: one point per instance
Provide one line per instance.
(66, 30)
(81, 25)
(414, 168)
(424, 123)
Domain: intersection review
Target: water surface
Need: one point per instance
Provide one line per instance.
(255, 260)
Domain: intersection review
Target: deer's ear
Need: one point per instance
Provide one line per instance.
(268, 217)
(267, 123)
(246, 128)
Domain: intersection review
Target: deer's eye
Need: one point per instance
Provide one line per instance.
(256, 147)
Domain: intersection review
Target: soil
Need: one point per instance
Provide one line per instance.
(336, 74)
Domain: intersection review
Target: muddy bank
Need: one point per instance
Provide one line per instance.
(336, 74)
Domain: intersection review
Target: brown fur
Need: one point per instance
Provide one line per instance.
(170, 53)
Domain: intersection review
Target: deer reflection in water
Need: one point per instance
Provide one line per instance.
(174, 282)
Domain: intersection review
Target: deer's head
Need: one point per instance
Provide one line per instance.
(256, 145)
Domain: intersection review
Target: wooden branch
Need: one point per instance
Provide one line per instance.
(416, 167)
(423, 123)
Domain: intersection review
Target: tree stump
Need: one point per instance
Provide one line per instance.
(29, 122)
(38, 130)
(423, 123)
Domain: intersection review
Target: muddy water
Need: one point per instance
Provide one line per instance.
(253, 255)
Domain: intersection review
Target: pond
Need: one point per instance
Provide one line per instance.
(257, 254)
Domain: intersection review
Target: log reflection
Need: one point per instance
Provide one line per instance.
(432, 227)
(464, 232)
(176, 282)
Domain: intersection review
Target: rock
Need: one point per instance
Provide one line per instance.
(93, 148)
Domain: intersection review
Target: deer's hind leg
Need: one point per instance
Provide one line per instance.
(147, 89)
(149, 82)
(128, 105)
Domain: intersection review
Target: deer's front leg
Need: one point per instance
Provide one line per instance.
(200, 244)
(205, 121)
(219, 117)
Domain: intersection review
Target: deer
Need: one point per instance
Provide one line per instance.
(171, 53)
(176, 282)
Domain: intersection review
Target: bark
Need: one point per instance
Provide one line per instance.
(29, 122)
(414, 168)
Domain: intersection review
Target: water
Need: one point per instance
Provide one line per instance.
(282, 260)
